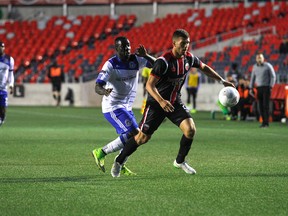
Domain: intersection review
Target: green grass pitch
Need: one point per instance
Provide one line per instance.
(46, 167)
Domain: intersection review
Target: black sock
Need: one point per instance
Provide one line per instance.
(128, 149)
(2, 114)
(185, 145)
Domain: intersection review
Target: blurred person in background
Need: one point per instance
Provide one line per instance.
(6, 77)
(117, 82)
(192, 84)
(247, 102)
(234, 76)
(263, 77)
(283, 48)
(56, 75)
(145, 75)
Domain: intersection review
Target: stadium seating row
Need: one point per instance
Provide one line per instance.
(244, 54)
(89, 2)
(81, 44)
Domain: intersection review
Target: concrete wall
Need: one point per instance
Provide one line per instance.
(41, 95)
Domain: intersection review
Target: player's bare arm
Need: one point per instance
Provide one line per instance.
(99, 89)
(142, 52)
(208, 71)
(151, 88)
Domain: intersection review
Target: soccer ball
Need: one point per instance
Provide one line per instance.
(229, 96)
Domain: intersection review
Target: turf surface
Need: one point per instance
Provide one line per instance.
(46, 167)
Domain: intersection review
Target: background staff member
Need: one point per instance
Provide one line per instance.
(56, 75)
(263, 76)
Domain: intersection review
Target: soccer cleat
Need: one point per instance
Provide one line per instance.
(126, 171)
(185, 167)
(227, 117)
(99, 157)
(116, 169)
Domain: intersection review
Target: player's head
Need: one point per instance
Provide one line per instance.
(181, 41)
(260, 58)
(2, 48)
(234, 66)
(123, 48)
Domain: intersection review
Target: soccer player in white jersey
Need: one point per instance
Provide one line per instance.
(6, 77)
(118, 81)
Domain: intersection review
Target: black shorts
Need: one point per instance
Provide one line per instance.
(56, 87)
(154, 115)
(192, 90)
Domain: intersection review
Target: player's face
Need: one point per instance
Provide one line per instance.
(123, 50)
(181, 46)
(2, 48)
(259, 59)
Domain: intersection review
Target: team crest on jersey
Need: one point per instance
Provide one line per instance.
(187, 66)
(132, 65)
(128, 123)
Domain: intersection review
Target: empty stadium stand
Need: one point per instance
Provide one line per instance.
(82, 43)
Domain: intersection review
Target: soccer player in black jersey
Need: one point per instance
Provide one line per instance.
(164, 100)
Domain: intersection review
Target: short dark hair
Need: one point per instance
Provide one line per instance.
(180, 33)
(234, 65)
(120, 39)
(2, 44)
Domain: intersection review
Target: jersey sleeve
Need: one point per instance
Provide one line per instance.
(197, 63)
(160, 68)
(105, 73)
(11, 73)
(272, 75)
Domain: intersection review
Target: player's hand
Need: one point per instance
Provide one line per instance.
(141, 51)
(167, 106)
(108, 91)
(11, 89)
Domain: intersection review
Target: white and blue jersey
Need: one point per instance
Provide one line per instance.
(6, 77)
(122, 77)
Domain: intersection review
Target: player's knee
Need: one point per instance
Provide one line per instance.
(190, 133)
(142, 138)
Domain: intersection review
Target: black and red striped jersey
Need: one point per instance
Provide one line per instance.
(171, 72)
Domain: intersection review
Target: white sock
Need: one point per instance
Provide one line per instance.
(113, 146)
